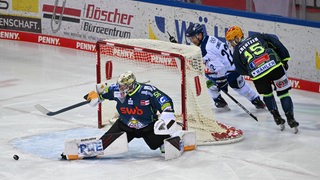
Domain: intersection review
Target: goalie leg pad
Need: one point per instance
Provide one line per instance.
(176, 145)
(173, 147)
(113, 143)
(83, 148)
(189, 140)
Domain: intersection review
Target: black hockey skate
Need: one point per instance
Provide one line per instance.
(220, 103)
(292, 122)
(258, 103)
(278, 119)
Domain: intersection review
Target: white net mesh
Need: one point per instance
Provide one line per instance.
(160, 64)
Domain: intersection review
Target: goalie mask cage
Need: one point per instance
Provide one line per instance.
(175, 69)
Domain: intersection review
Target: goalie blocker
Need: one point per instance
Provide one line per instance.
(117, 143)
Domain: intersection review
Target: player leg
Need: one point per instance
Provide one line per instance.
(282, 86)
(238, 84)
(117, 127)
(152, 140)
(172, 145)
(215, 95)
(264, 87)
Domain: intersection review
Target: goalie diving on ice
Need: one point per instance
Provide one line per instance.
(144, 112)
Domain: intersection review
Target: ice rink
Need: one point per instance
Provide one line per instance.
(57, 77)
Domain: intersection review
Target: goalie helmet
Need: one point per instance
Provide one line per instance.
(233, 32)
(194, 29)
(127, 83)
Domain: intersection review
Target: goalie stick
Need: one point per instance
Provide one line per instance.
(52, 113)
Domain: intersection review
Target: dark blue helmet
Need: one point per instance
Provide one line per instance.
(194, 29)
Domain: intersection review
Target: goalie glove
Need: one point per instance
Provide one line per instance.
(95, 96)
(166, 125)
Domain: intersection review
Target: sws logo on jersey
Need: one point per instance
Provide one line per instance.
(131, 111)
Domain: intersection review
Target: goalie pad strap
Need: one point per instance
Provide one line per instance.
(107, 139)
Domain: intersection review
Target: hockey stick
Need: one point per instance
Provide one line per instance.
(52, 113)
(171, 38)
(246, 110)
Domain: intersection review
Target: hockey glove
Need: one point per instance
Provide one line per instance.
(166, 125)
(172, 39)
(222, 83)
(285, 65)
(95, 96)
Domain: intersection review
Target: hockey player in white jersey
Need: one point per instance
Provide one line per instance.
(220, 69)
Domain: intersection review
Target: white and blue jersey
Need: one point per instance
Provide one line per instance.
(217, 57)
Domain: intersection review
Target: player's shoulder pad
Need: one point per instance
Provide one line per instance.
(147, 89)
(203, 46)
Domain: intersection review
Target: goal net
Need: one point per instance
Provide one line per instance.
(175, 69)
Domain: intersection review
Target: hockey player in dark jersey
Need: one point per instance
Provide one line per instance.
(220, 70)
(138, 105)
(265, 59)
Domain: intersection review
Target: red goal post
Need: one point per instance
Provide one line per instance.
(177, 70)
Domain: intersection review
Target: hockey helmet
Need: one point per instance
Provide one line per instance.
(233, 32)
(127, 82)
(194, 29)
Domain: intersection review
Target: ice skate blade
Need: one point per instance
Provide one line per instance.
(295, 130)
(282, 127)
(223, 109)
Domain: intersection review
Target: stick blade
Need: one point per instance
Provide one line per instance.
(42, 109)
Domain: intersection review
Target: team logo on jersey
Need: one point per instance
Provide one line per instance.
(150, 88)
(282, 83)
(133, 111)
(144, 102)
(130, 101)
(263, 68)
(147, 93)
(133, 123)
(163, 99)
(257, 62)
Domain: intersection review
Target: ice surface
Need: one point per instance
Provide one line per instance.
(57, 77)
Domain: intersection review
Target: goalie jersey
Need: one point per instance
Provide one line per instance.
(139, 108)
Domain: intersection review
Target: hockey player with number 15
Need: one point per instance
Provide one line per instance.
(220, 69)
(265, 59)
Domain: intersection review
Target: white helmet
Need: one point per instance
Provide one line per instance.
(127, 82)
